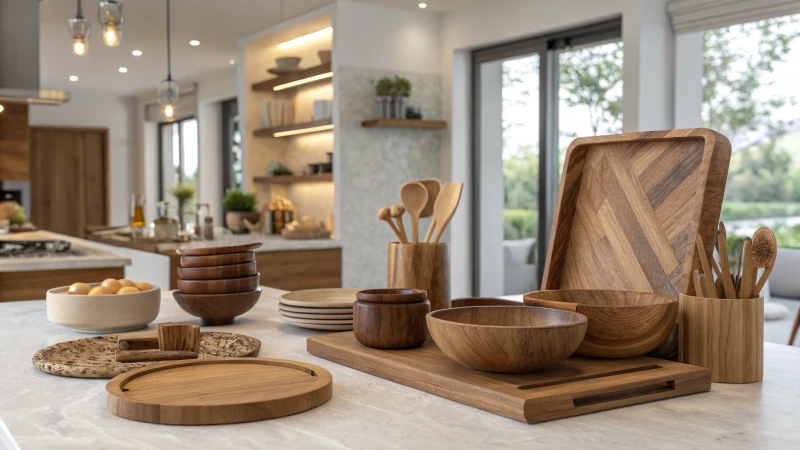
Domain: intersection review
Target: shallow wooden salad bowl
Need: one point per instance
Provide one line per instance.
(621, 324)
(507, 339)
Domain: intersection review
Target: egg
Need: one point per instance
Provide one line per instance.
(143, 286)
(127, 290)
(100, 290)
(79, 289)
(125, 282)
(111, 284)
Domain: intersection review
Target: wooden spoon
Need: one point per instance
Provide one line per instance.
(765, 250)
(386, 216)
(722, 247)
(711, 290)
(434, 186)
(445, 207)
(397, 215)
(749, 271)
(414, 197)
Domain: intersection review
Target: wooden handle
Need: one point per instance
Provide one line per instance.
(564, 306)
(748, 274)
(431, 226)
(130, 356)
(699, 286)
(402, 229)
(727, 283)
(178, 336)
(400, 237)
(143, 340)
(762, 280)
(701, 249)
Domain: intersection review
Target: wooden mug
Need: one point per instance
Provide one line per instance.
(724, 335)
(421, 266)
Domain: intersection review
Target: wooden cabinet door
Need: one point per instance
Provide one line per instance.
(69, 178)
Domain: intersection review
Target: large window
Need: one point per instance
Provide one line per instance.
(751, 95)
(179, 156)
(532, 98)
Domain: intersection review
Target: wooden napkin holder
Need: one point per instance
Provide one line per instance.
(171, 341)
(724, 335)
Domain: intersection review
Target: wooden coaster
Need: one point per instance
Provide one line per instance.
(205, 251)
(94, 357)
(218, 391)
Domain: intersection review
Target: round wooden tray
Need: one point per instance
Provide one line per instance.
(205, 251)
(94, 357)
(321, 298)
(218, 272)
(218, 391)
(217, 260)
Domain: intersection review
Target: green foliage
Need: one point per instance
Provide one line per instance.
(757, 210)
(401, 87)
(19, 217)
(520, 224)
(384, 87)
(183, 191)
(279, 168)
(787, 237)
(236, 200)
(521, 174)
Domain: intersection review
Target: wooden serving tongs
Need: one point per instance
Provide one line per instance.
(169, 342)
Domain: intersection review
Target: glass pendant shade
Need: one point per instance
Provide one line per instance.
(168, 92)
(109, 13)
(79, 30)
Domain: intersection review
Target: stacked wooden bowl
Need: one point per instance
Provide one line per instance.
(218, 283)
(319, 309)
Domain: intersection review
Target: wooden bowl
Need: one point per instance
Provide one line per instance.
(217, 309)
(507, 339)
(217, 260)
(102, 314)
(218, 272)
(390, 326)
(621, 324)
(208, 251)
(226, 286)
(482, 301)
(387, 296)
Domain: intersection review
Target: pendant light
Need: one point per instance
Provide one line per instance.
(80, 29)
(109, 12)
(168, 91)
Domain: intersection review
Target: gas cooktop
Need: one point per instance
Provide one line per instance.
(24, 249)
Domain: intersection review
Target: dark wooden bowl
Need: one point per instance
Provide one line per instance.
(482, 301)
(206, 251)
(227, 286)
(387, 296)
(217, 260)
(507, 339)
(390, 326)
(621, 324)
(218, 272)
(217, 309)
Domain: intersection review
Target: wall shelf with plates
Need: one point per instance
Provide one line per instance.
(292, 80)
(295, 129)
(405, 123)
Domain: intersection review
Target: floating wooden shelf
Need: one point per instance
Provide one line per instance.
(291, 179)
(405, 123)
(295, 129)
(299, 78)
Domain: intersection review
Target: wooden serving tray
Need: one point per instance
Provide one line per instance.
(629, 207)
(576, 386)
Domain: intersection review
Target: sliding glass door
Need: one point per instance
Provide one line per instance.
(521, 137)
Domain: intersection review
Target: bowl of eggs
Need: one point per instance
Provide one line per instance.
(113, 306)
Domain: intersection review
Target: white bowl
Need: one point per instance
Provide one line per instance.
(288, 63)
(102, 314)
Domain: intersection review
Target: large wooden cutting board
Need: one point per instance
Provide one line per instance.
(629, 207)
(574, 387)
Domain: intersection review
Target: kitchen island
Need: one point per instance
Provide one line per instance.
(40, 410)
(29, 277)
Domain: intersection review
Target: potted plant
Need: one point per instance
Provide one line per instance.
(239, 206)
(384, 89)
(279, 169)
(400, 93)
(183, 193)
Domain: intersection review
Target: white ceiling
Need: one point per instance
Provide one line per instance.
(217, 24)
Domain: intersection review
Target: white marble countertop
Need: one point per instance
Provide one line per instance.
(269, 242)
(366, 412)
(89, 255)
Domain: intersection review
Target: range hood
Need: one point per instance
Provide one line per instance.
(19, 56)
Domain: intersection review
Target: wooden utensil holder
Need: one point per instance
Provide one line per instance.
(421, 266)
(724, 335)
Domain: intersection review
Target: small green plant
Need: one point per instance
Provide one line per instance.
(402, 87)
(235, 200)
(280, 169)
(384, 87)
(183, 192)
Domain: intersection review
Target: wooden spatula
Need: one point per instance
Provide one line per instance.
(443, 210)
(414, 197)
(722, 248)
(433, 186)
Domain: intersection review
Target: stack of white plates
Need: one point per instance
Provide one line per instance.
(319, 309)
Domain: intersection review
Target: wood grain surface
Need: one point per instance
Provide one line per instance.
(574, 387)
(207, 251)
(505, 339)
(178, 336)
(33, 285)
(217, 309)
(94, 357)
(629, 207)
(218, 391)
(227, 286)
(482, 301)
(14, 142)
(621, 324)
(140, 340)
(218, 272)
(217, 260)
(724, 335)
(132, 356)
(321, 298)
(421, 266)
(392, 295)
(390, 326)
(302, 310)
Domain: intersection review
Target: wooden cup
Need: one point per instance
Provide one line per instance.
(421, 266)
(390, 319)
(724, 335)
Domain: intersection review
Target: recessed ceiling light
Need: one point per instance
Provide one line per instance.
(423, 5)
(123, 70)
(194, 43)
(233, 61)
(73, 78)
(137, 53)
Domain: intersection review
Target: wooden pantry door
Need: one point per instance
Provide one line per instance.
(69, 178)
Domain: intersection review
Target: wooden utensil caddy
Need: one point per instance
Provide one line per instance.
(421, 266)
(724, 335)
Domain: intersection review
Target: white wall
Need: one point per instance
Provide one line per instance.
(118, 114)
(647, 86)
